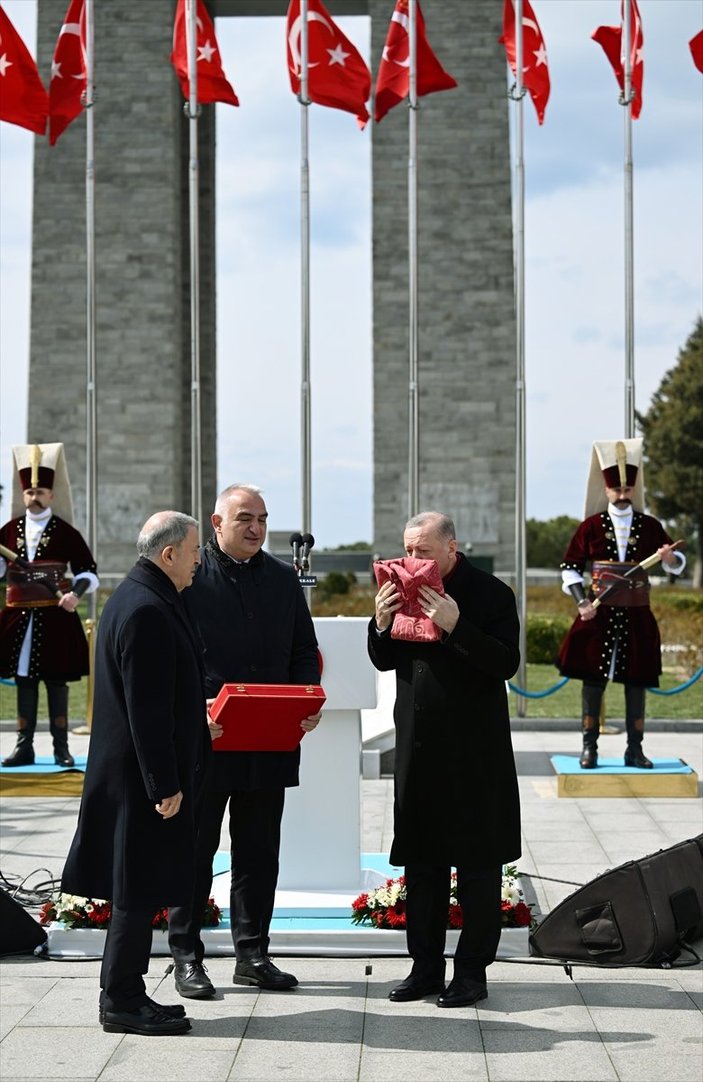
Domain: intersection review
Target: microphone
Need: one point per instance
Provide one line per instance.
(295, 541)
(308, 543)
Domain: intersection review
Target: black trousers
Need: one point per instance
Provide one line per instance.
(255, 839)
(478, 893)
(126, 959)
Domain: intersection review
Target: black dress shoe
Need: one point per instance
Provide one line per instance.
(462, 992)
(416, 988)
(192, 981)
(264, 974)
(636, 757)
(64, 758)
(175, 1010)
(589, 759)
(23, 755)
(148, 1021)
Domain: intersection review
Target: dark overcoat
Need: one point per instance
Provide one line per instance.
(59, 649)
(456, 792)
(586, 652)
(254, 626)
(149, 740)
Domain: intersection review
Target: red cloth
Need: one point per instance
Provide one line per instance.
(68, 71)
(408, 575)
(212, 83)
(610, 40)
(535, 72)
(23, 99)
(393, 80)
(337, 74)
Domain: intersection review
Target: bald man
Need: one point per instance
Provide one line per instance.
(135, 839)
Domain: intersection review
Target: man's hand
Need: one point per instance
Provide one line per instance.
(215, 729)
(69, 602)
(308, 724)
(442, 611)
(666, 554)
(387, 602)
(170, 805)
(586, 610)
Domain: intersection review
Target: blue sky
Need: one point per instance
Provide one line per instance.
(574, 262)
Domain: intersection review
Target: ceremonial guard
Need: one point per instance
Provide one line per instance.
(41, 635)
(617, 638)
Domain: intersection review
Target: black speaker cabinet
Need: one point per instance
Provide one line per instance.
(638, 914)
(20, 933)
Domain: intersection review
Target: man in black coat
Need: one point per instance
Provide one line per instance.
(135, 838)
(456, 792)
(250, 614)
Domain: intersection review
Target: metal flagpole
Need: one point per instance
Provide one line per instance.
(518, 94)
(91, 406)
(629, 234)
(305, 407)
(413, 365)
(91, 413)
(192, 110)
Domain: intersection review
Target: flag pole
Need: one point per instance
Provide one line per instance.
(192, 110)
(413, 360)
(305, 404)
(629, 232)
(518, 94)
(91, 412)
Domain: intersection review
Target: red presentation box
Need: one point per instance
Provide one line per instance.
(264, 717)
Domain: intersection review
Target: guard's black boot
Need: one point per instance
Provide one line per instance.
(23, 754)
(58, 722)
(589, 751)
(27, 703)
(634, 723)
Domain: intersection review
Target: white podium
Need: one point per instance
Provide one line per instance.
(321, 835)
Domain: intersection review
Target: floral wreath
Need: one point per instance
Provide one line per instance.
(385, 907)
(76, 912)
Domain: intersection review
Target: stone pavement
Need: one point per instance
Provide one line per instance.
(339, 1026)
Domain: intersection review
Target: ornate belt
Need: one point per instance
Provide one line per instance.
(35, 586)
(628, 592)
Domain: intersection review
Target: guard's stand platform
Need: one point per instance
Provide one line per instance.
(43, 778)
(611, 778)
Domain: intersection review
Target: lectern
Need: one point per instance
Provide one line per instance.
(321, 839)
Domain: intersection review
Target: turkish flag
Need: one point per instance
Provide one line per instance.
(68, 71)
(535, 70)
(610, 40)
(696, 47)
(337, 73)
(212, 83)
(23, 99)
(393, 81)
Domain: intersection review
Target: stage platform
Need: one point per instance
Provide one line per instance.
(304, 923)
(43, 778)
(611, 778)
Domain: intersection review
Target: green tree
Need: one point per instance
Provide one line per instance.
(546, 541)
(673, 442)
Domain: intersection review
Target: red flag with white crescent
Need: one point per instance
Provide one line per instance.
(69, 71)
(212, 82)
(535, 69)
(393, 80)
(23, 98)
(337, 73)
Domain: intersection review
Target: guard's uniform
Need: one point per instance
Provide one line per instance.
(41, 639)
(621, 641)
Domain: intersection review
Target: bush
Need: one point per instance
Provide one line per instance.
(334, 583)
(544, 637)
